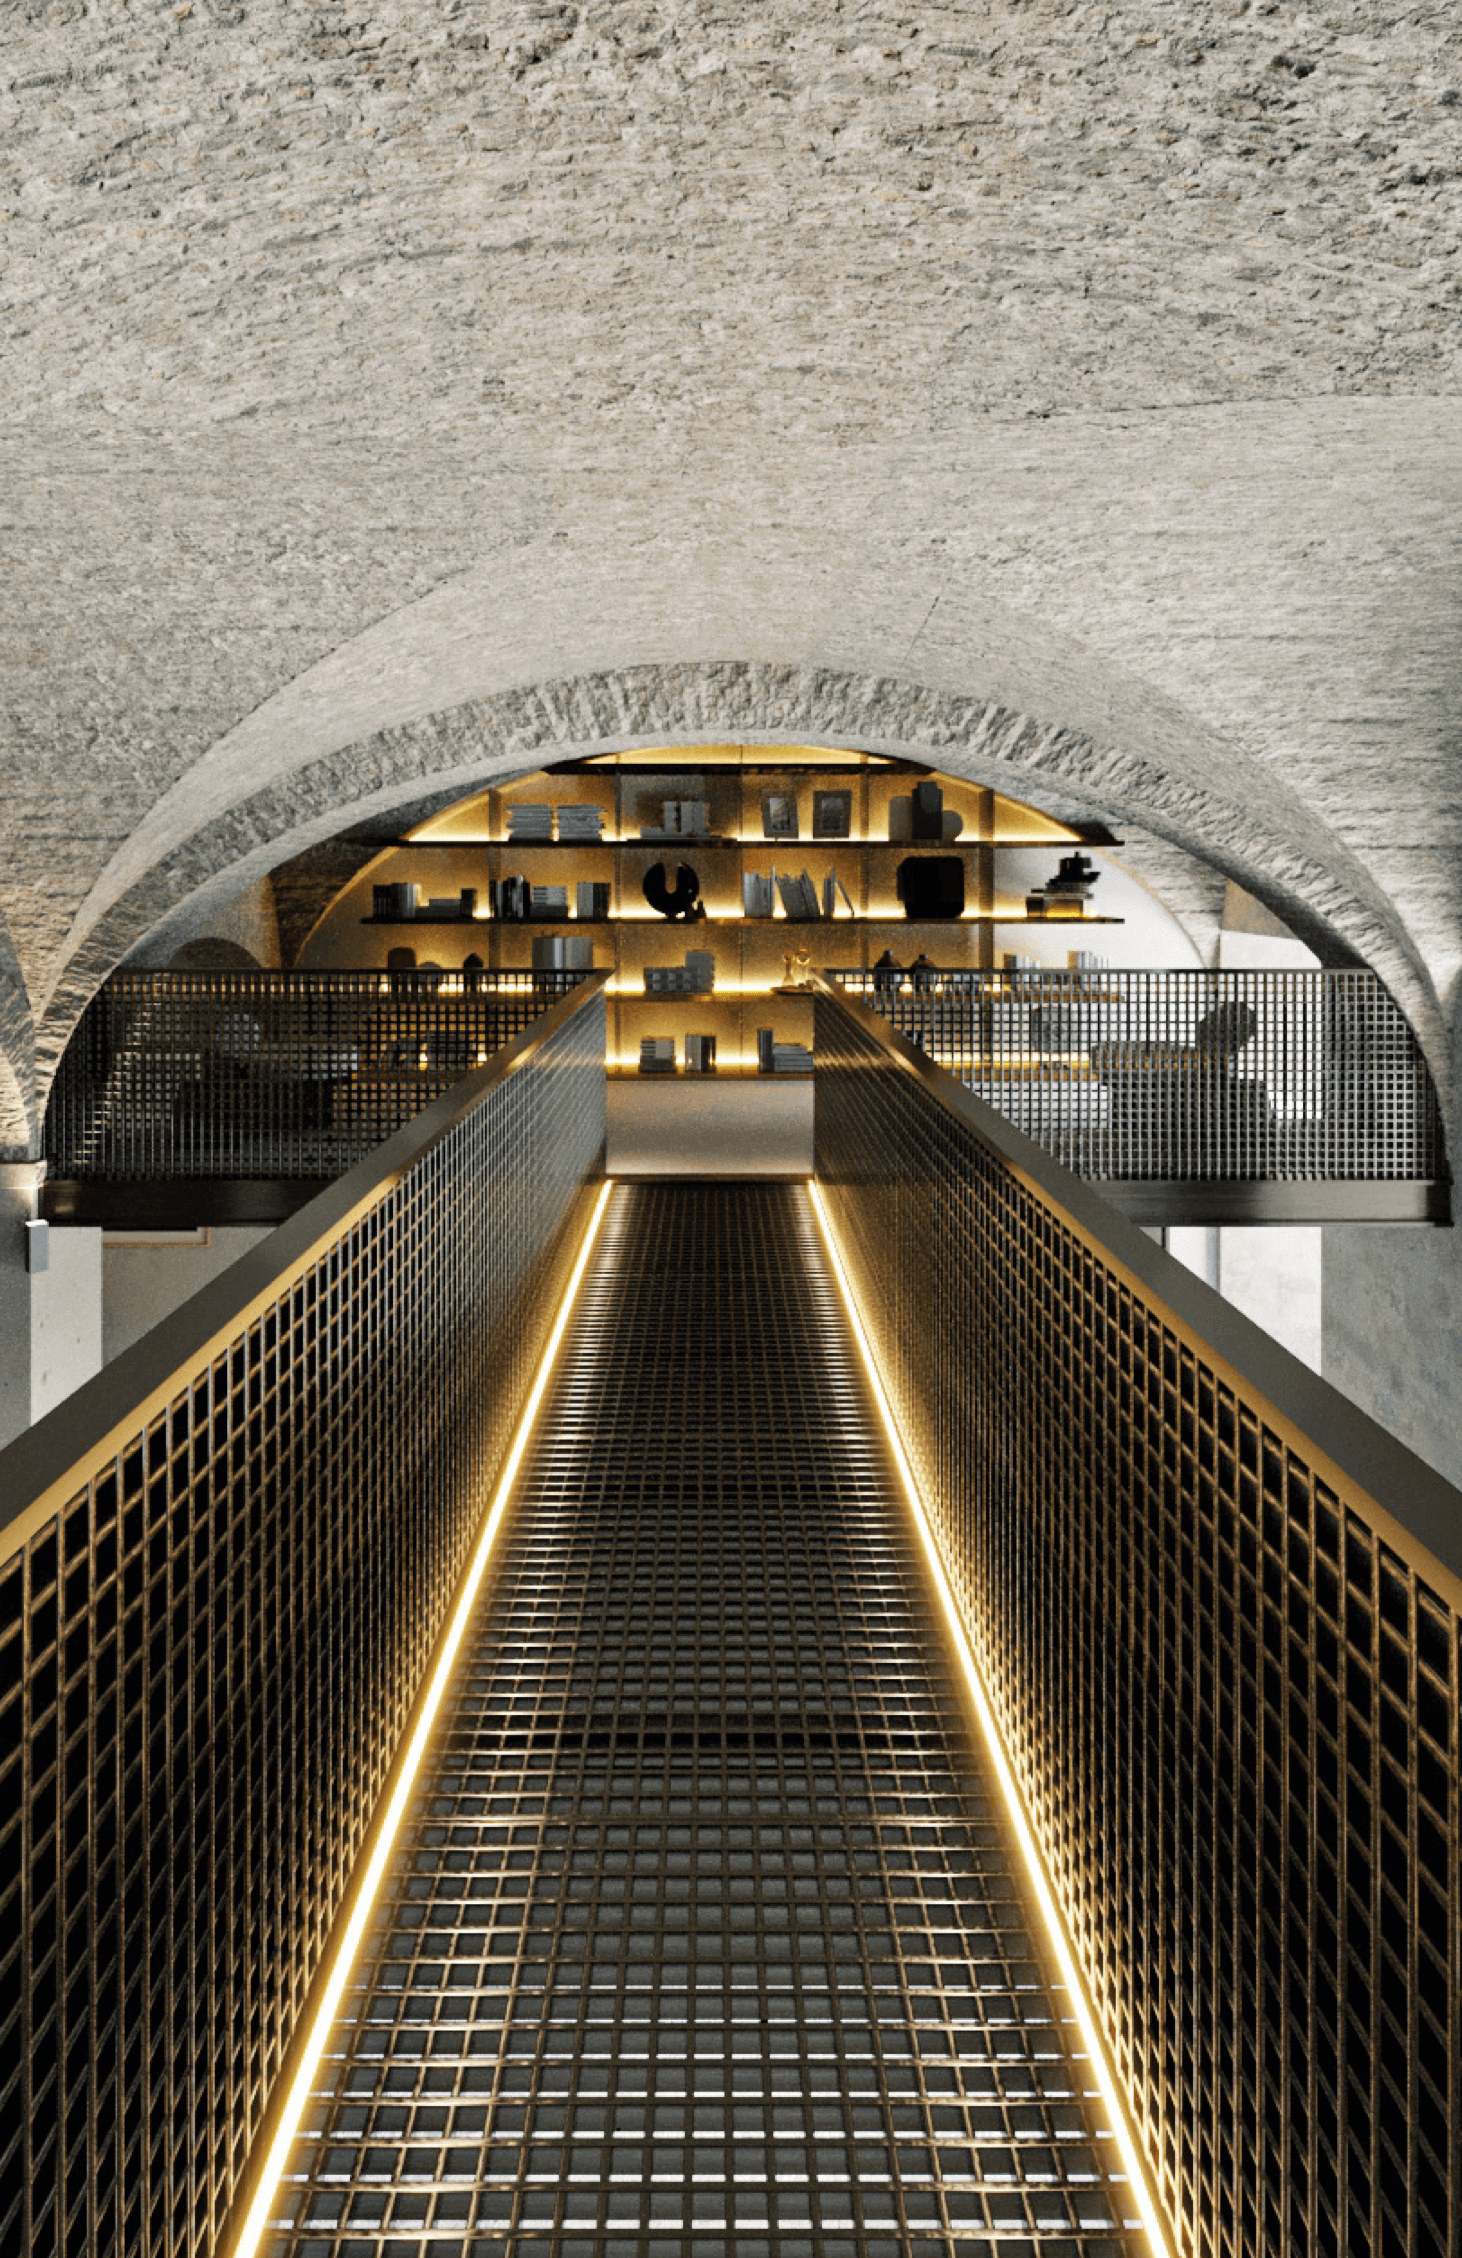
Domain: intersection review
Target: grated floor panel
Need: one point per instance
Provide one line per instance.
(702, 1934)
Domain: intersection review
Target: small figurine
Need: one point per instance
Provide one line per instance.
(798, 966)
(888, 975)
(923, 975)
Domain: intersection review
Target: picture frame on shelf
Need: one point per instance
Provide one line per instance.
(832, 814)
(779, 815)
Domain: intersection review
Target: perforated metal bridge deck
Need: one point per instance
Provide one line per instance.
(703, 1934)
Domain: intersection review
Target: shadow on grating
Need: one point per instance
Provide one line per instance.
(703, 1933)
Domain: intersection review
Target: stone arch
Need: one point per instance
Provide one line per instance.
(1233, 815)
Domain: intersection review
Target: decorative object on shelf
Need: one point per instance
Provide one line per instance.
(700, 1054)
(401, 967)
(592, 898)
(779, 815)
(928, 814)
(472, 971)
(684, 902)
(798, 967)
(932, 887)
(679, 819)
(765, 1042)
(832, 815)
(657, 1054)
(1067, 894)
(923, 975)
(888, 975)
(696, 977)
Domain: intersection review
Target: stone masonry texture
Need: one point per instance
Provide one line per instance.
(392, 395)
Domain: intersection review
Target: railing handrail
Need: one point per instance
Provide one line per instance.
(52, 1459)
(1417, 1509)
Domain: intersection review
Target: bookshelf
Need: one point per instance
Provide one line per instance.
(732, 791)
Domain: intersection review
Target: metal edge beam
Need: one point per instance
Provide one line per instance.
(1274, 1200)
(52, 1460)
(1415, 1509)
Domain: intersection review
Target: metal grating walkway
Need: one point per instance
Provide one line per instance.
(702, 1935)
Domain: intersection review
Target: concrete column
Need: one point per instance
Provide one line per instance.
(50, 1321)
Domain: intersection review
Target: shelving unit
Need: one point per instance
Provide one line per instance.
(469, 846)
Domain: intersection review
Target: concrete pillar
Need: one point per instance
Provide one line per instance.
(51, 1320)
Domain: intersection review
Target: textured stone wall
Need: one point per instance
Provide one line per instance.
(370, 369)
(1391, 1304)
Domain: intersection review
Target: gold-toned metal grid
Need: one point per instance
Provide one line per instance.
(1233, 1704)
(207, 1656)
(1184, 1076)
(271, 1074)
(703, 1935)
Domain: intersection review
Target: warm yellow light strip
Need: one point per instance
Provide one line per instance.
(1061, 1945)
(370, 1880)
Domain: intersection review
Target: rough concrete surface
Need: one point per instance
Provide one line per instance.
(396, 395)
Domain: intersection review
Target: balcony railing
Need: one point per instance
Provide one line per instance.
(224, 1564)
(1184, 1077)
(271, 1074)
(1218, 1614)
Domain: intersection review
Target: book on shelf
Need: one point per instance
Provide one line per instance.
(832, 886)
(799, 896)
(765, 1046)
(592, 897)
(393, 902)
(791, 1058)
(757, 893)
(530, 819)
(657, 1054)
(700, 1054)
(548, 901)
(581, 821)
(562, 952)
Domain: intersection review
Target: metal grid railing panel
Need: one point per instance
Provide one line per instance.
(1233, 1703)
(1184, 1076)
(209, 1652)
(703, 1935)
(271, 1074)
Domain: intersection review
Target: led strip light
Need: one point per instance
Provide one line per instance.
(1065, 1956)
(370, 1881)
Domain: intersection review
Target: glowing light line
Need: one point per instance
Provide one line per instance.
(1061, 1946)
(370, 1881)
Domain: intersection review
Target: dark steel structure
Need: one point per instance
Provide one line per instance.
(279, 1075)
(223, 1566)
(703, 1934)
(1224, 1083)
(1225, 1658)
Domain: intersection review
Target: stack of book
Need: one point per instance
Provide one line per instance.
(756, 893)
(696, 977)
(679, 819)
(530, 819)
(773, 1057)
(390, 903)
(657, 1054)
(593, 897)
(581, 822)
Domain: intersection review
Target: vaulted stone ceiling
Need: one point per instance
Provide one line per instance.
(393, 395)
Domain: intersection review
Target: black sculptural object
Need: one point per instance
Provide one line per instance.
(684, 902)
(932, 886)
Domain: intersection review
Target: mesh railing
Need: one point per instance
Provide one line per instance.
(1200, 1076)
(224, 1565)
(271, 1074)
(1218, 1614)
